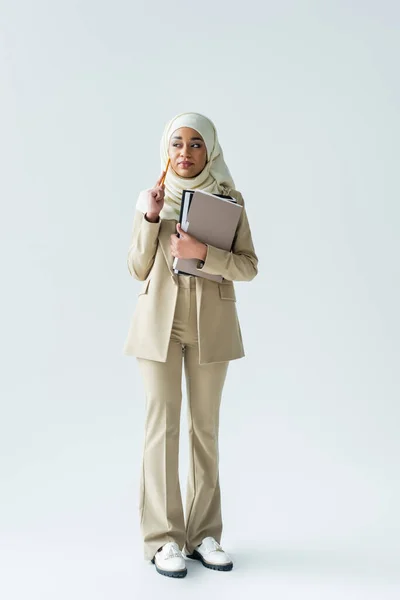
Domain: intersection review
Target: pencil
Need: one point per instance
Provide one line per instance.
(165, 172)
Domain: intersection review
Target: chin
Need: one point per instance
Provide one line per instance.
(184, 174)
(188, 175)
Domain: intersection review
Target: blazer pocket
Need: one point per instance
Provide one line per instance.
(145, 288)
(227, 292)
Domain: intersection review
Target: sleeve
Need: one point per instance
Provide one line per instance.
(241, 262)
(143, 246)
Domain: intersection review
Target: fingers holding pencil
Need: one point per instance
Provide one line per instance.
(156, 195)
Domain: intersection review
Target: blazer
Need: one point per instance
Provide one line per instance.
(150, 260)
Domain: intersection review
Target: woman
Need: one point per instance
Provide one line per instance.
(182, 319)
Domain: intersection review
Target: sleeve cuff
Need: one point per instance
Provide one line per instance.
(151, 222)
(148, 229)
(149, 226)
(214, 258)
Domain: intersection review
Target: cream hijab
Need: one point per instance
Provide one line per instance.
(214, 178)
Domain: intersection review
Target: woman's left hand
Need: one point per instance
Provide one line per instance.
(187, 246)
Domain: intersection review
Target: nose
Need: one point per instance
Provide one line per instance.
(185, 151)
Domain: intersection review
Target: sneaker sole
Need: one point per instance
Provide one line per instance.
(177, 574)
(197, 556)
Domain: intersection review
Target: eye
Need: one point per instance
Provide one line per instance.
(175, 144)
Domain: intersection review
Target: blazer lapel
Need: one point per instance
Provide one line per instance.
(167, 228)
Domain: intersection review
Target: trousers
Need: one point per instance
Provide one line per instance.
(160, 502)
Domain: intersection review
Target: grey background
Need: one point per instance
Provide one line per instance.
(305, 97)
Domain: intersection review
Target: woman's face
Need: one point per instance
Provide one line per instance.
(188, 152)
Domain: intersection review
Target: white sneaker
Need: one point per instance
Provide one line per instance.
(170, 561)
(211, 554)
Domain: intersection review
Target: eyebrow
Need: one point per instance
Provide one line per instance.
(178, 137)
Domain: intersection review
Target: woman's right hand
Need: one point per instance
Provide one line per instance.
(155, 199)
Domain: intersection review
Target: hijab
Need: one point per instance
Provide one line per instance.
(214, 178)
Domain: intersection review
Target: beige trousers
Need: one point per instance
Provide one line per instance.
(160, 504)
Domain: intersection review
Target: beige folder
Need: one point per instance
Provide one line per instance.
(212, 220)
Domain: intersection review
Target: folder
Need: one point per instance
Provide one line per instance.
(210, 218)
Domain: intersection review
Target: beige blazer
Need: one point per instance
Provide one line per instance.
(150, 260)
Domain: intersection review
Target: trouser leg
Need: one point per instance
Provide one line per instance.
(161, 511)
(204, 384)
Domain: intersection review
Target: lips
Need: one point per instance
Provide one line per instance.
(185, 164)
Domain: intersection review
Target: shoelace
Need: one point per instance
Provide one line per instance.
(171, 551)
(212, 545)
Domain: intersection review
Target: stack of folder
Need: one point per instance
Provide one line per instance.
(210, 218)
